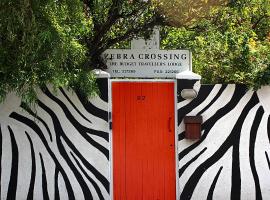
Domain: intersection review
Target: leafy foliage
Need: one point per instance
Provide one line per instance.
(117, 21)
(61, 41)
(40, 44)
(231, 45)
(184, 13)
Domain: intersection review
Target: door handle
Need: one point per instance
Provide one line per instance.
(169, 124)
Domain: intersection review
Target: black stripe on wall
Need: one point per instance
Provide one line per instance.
(240, 91)
(0, 157)
(33, 171)
(223, 87)
(213, 185)
(60, 133)
(253, 135)
(31, 124)
(230, 141)
(67, 183)
(12, 187)
(181, 136)
(44, 179)
(95, 185)
(91, 108)
(94, 171)
(202, 95)
(82, 129)
(182, 169)
(56, 190)
(103, 88)
(66, 96)
(26, 108)
(268, 128)
(236, 174)
(267, 159)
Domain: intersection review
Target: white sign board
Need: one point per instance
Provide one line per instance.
(146, 63)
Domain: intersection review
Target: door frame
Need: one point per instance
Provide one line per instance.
(110, 81)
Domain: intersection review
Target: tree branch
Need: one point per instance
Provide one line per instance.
(95, 61)
(90, 5)
(129, 34)
(113, 16)
(254, 26)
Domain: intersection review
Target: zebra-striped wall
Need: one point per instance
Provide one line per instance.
(58, 149)
(231, 160)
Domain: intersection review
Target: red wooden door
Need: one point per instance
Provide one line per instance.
(143, 141)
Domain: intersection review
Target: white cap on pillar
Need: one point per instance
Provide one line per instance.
(101, 74)
(189, 75)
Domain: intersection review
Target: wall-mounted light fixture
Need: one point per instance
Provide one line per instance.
(189, 94)
(101, 74)
(188, 85)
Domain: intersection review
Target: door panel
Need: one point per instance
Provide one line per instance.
(143, 141)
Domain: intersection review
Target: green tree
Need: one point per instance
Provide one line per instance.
(184, 13)
(60, 42)
(40, 44)
(114, 22)
(230, 45)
